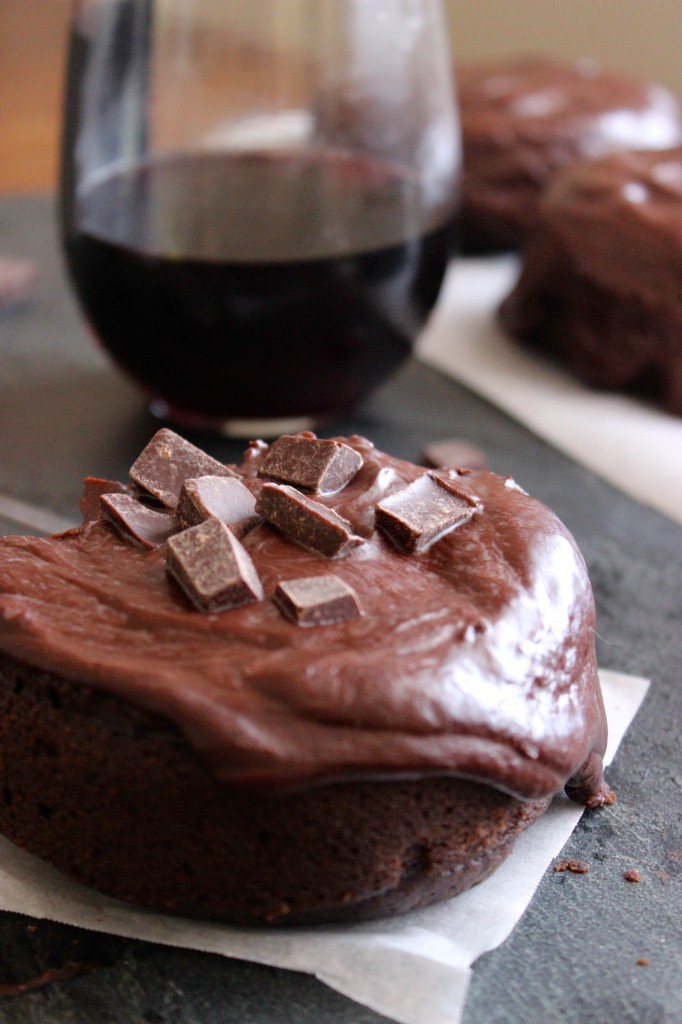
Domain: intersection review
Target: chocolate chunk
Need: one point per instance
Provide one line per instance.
(93, 488)
(167, 461)
(304, 521)
(213, 567)
(317, 600)
(313, 464)
(145, 525)
(454, 453)
(417, 516)
(458, 486)
(224, 497)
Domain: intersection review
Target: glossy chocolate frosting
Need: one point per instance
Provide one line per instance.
(601, 281)
(475, 657)
(619, 219)
(524, 120)
(539, 99)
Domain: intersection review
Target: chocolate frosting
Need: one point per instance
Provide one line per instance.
(474, 658)
(538, 100)
(601, 281)
(524, 120)
(619, 218)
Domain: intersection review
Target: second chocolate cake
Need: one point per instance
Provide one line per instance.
(324, 685)
(600, 282)
(525, 119)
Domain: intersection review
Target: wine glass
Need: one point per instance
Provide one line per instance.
(257, 198)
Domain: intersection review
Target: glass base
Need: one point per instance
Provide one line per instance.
(243, 429)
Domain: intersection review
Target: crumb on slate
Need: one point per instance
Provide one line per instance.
(578, 867)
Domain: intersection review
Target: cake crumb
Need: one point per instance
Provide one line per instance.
(632, 875)
(578, 867)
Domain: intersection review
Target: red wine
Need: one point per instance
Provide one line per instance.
(257, 285)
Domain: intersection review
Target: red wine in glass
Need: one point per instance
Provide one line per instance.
(226, 284)
(256, 200)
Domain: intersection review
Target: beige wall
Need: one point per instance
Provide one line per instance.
(643, 37)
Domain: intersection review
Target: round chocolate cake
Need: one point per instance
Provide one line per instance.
(523, 120)
(324, 685)
(600, 284)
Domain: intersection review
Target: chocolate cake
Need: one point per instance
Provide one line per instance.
(525, 119)
(600, 284)
(389, 677)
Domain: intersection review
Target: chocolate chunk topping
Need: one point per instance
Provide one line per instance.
(224, 497)
(317, 600)
(145, 525)
(315, 465)
(454, 453)
(304, 521)
(458, 486)
(167, 461)
(212, 567)
(417, 516)
(93, 489)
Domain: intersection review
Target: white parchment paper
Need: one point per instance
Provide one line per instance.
(632, 445)
(414, 969)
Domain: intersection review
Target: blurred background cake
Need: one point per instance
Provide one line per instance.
(601, 281)
(524, 119)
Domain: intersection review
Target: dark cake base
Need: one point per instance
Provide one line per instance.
(612, 342)
(116, 798)
(486, 230)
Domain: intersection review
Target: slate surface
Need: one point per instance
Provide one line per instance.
(64, 412)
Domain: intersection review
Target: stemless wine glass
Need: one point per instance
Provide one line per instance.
(257, 197)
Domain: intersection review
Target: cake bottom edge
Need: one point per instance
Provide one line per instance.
(116, 799)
